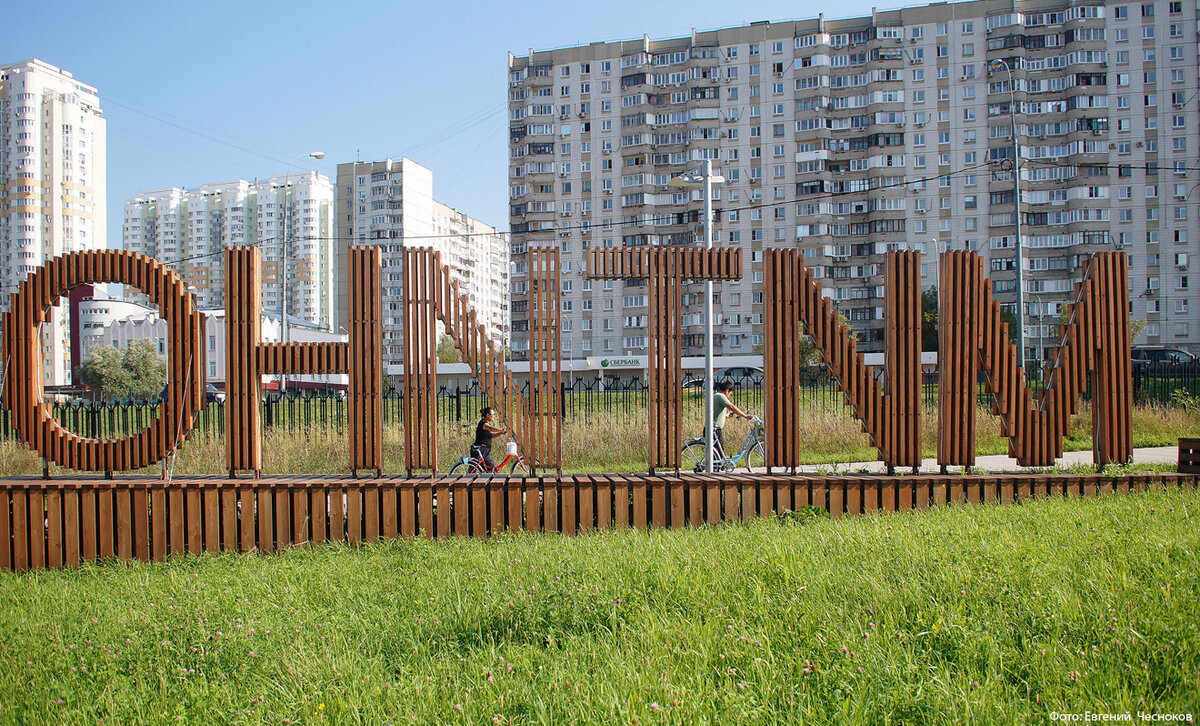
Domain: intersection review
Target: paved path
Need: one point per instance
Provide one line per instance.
(1150, 455)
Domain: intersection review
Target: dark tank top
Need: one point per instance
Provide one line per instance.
(483, 437)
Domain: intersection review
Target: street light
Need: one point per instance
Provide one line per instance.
(283, 291)
(1016, 172)
(691, 178)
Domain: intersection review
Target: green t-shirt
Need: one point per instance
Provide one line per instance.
(721, 406)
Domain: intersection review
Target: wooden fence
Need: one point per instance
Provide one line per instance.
(68, 521)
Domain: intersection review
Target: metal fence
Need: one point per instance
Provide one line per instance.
(581, 399)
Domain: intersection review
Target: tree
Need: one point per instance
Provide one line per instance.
(147, 371)
(138, 372)
(102, 371)
(929, 319)
(447, 352)
(1008, 317)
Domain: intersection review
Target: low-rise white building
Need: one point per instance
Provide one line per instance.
(149, 326)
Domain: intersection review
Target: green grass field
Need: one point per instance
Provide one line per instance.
(967, 615)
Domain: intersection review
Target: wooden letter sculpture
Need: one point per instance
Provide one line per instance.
(891, 413)
(1095, 342)
(431, 295)
(30, 307)
(665, 268)
(248, 359)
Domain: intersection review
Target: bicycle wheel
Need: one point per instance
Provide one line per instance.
(756, 458)
(692, 458)
(515, 463)
(462, 467)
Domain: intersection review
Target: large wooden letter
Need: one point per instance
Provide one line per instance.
(665, 268)
(30, 306)
(431, 294)
(892, 416)
(248, 359)
(1095, 342)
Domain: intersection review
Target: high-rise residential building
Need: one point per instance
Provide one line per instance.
(390, 204)
(290, 217)
(52, 186)
(848, 138)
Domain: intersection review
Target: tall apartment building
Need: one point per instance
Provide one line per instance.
(52, 185)
(849, 138)
(390, 203)
(188, 228)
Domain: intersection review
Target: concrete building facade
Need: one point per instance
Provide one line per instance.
(52, 185)
(188, 228)
(390, 204)
(848, 138)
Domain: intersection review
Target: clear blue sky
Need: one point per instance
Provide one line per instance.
(203, 92)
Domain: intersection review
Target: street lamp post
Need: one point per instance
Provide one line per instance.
(283, 290)
(1016, 172)
(707, 179)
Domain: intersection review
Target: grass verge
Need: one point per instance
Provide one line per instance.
(970, 614)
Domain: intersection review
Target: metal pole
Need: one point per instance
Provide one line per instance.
(708, 321)
(282, 277)
(1016, 171)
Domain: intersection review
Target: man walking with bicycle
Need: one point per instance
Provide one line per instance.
(722, 407)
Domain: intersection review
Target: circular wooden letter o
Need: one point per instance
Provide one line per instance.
(23, 384)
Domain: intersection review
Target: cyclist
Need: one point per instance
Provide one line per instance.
(722, 407)
(485, 431)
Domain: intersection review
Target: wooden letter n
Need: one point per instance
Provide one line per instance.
(248, 359)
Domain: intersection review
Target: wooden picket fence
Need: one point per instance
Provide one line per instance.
(56, 523)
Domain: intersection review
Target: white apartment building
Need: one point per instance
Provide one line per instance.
(52, 185)
(290, 217)
(390, 203)
(848, 138)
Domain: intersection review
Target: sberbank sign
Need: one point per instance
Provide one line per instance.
(630, 362)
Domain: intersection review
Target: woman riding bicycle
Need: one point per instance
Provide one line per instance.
(485, 431)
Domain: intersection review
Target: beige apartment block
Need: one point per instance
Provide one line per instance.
(52, 186)
(390, 203)
(847, 138)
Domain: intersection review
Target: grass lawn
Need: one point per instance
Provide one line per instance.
(967, 615)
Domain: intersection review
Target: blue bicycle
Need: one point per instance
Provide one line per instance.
(752, 455)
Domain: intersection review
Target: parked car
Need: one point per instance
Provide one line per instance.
(1145, 356)
(739, 375)
(212, 394)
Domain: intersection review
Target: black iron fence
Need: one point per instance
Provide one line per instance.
(581, 399)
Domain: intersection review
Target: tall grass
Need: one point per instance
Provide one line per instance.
(970, 614)
(618, 442)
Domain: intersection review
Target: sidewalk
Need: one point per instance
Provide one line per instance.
(999, 463)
